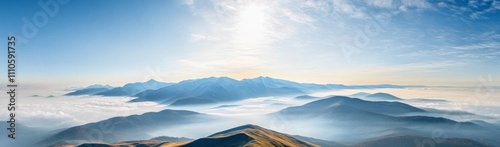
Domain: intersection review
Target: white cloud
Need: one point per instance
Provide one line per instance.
(62, 111)
(381, 3)
(240, 34)
(473, 10)
(415, 67)
(442, 4)
(198, 37)
(346, 7)
(478, 46)
(299, 17)
(417, 4)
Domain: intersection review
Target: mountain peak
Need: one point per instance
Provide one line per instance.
(152, 81)
(237, 129)
(99, 86)
(213, 78)
(246, 135)
(263, 77)
(249, 135)
(383, 96)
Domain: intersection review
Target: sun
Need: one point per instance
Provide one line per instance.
(251, 23)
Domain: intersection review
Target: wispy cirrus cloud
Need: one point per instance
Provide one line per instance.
(65, 111)
(473, 9)
(305, 35)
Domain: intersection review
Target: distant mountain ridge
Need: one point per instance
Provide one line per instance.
(256, 136)
(246, 135)
(419, 141)
(379, 96)
(214, 89)
(129, 89)
(127, 128)
(345, 112)
(376, 120)
(134, 88)
(382, 96)
(90, 90)
(343, 108)
(386, 108)
(249, 135)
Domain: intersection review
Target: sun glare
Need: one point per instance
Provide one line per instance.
(251, 23)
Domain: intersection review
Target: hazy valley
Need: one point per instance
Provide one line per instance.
(312, 114)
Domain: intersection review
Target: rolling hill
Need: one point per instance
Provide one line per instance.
(246, 135)
(410, 141)
(126, 128)
(90, 90)
(382, 96)
(216, 89)
(212, 90)
(356, 117)
(249, 135)
(134, 88)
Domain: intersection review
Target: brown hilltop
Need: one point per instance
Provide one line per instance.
(246, 135)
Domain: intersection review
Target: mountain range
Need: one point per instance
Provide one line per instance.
(345, 113)
(90, 90)
(126, 128)
(134, 88)
(246, 135)
(214, 89)
(378, 119)
(256, 136)
(379, 96)
(363, 119)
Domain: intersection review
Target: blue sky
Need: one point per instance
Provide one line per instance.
(446, 43)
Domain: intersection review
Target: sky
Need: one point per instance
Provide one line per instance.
(410, 42)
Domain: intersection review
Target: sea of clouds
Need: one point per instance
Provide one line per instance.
(57, 111)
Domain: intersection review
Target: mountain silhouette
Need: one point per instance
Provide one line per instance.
(134, 88)
(381, 96)
(246, 135)
(342, 104)
(126, 128)
(220, 89)
(393, 117)
(90, 90)
(410, 141)
(216, 89)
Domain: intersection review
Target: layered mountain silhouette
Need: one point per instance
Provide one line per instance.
(382, 96)
(366, 120)
(354, 110)
(246, 135)
(90, 90)
(126, 128)
(320, 142)
(410, 141)
(215, 89)
(380, 121)
(359, 95)
(249, 135)
(351, 106)
(306, 97)
(212, 90)
(134, 88)
(172, 139)
(345, 112)
(223, 89)
(256, 136)
(126, 90)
